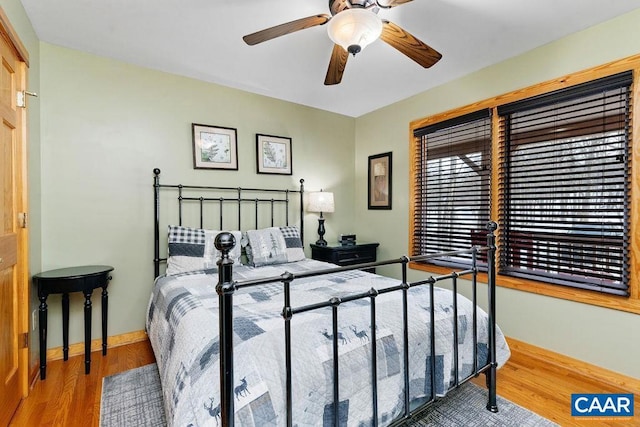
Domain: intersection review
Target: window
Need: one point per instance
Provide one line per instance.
(563, 168)
(565, 187)
(452, 191)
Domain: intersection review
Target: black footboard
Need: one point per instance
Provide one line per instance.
(227, 286)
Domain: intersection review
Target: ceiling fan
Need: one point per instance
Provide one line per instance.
(353, 24)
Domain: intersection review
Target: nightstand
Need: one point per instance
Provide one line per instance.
(347, 254)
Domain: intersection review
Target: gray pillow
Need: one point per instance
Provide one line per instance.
(273, 245)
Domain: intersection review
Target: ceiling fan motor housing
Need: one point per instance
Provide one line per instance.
(336, 6)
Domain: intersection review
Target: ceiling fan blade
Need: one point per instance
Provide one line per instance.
(286, 28)
(401, 40)
(385, 4)
(337, 64)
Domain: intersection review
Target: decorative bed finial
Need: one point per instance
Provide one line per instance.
(225, 242)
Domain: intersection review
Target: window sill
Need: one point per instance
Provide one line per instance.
(629, 304)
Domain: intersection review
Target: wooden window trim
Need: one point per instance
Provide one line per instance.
(628, 304)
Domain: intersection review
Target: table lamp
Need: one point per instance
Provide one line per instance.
(321, 201)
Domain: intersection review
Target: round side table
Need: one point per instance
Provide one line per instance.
(63, 281)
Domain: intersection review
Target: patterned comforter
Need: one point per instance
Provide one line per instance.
(182, 324)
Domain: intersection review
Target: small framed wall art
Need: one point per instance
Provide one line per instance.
(273, 154)
(214, 147)
(379, 195)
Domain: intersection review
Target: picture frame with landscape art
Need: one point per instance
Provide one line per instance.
(379, 188)
(273, 154)
(214, 147)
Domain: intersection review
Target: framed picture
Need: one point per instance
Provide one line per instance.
(273, 154)
(214, 147)
(379, 196)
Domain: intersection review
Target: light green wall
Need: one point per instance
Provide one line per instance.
(604, 337)
(107, 124)
(20, 22)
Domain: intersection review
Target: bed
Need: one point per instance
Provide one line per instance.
(246, 330)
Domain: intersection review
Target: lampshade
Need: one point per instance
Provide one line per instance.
(320, 201)
(354, 29)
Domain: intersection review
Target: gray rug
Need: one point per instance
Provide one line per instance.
(134, 398)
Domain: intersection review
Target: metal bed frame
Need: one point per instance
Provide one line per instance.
(236, 197)
(226, 287)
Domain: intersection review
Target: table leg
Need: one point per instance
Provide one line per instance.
(105, 306)
(65, 326)
(87, 331)
(42, 322)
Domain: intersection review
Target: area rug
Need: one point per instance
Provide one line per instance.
(134, 398)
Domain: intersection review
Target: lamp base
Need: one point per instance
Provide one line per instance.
(321, 241)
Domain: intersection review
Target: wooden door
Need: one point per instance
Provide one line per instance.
(13, 286)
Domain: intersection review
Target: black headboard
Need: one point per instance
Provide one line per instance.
(211, 207)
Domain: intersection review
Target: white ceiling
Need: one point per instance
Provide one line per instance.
(203, 39)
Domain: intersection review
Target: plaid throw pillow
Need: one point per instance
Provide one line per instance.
(186, 241)
(192, 249)
(295, 250)
(187, 247)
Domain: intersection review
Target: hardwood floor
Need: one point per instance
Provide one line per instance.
(546, 390)
(69, 398)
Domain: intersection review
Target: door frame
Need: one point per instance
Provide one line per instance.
(22, 198)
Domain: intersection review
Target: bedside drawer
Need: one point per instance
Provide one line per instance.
(354, 257)
(346, 255)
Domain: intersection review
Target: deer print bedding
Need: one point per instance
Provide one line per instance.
(182, 324)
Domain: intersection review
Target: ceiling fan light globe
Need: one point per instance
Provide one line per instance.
(354, 28)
